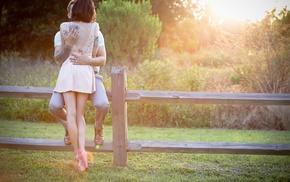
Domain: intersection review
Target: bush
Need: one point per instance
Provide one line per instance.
(25, 109)
(130, 30)
(153, 75)
(163, 75)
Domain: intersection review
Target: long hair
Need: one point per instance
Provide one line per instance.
(83, 10)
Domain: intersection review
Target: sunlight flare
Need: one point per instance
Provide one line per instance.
(251, 10)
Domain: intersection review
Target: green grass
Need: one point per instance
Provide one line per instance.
(28, 165)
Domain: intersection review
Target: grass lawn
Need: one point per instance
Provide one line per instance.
(28, 165)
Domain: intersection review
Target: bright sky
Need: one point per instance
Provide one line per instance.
(253, 10)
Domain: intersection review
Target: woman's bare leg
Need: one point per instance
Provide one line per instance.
(70, 102)
(81, 104)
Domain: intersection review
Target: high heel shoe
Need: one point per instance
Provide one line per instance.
(83, 160)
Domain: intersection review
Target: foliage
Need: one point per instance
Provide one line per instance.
(27, 109)
(281, 21)
(188, 35)
(149, 75)
(185, 25)
(19, 71)
(179, 37)
(198, 72)
(162, 75)
(260, 56)
(156, 74)
(130, 31)
(171, 11)
(204, 58)
(29, 26)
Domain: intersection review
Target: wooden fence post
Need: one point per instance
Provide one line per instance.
(119, 112)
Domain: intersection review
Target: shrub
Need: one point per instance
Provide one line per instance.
(163, 75)
(25, 109)
(130, 30)
(153, 75)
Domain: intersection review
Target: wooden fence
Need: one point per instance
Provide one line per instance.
(119, 96)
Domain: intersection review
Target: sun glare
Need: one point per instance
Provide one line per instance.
(251, 10)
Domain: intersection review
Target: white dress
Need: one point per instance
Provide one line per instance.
(77, 78)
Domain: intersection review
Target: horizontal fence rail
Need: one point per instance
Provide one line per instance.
(152, 146)
(162, 96)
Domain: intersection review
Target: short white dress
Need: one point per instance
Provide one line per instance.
(77, 78)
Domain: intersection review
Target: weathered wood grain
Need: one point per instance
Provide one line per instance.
(207, 98)
(152, 146)
(213, 148)
(25, 92)
(119, 113)
(163, 96)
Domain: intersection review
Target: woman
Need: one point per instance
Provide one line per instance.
(76, 82)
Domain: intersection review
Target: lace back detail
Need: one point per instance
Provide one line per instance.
(88, 47)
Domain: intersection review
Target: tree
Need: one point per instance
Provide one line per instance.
(185, 25)
(183, 36)
(29, 26)
(170, 11)
(282, 21)
(130, 31)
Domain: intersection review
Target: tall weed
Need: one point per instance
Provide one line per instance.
(260, 56)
